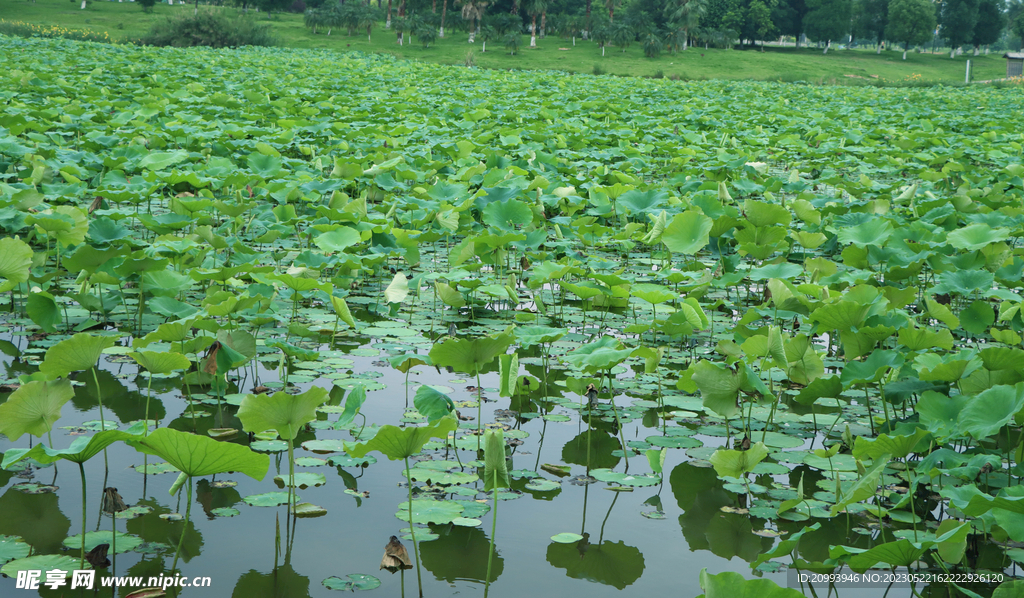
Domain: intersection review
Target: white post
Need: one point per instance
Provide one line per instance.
(967, 75)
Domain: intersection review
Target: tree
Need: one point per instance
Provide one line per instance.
(788, 16)
(958, 19)
(827, 20)
(368, 17)
(601, 34)
(486, 34)
(147, 5)
(911, 22)
(686, 15)
(444, 12)
(535, 8)
(991, 21)
(609, 4)
(1018, 27)
(473, 10)
(652, 45)
(759, 18)
(872, 17)
(622, 34)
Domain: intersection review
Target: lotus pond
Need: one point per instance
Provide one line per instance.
(556, 334)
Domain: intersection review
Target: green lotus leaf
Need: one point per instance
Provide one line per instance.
(160, 363)
(785, 546)
(15, 261)
(732, 585)
(282, 412)
(736, 463)
(495, 465)
(341, 308)
(719, 387)
(896, 446)
(508, 214)
(425, 510)
(449, 296)
(529, 336)
(42, 309)
(80, 352)
(338, 239)
(865, 487)
(600, 355)
(652, 293)
(34, 407)
(470, 356)
(163, 160)
(196, 455)
(872, 232)
(293, 351)
(976, 236)
(990, 410)
(81, 450)
(687, 232)
(399, 443)
(42, 562)
(398, 290)
(432, 403)
(871, 369)
(13, 547)
(508, 374)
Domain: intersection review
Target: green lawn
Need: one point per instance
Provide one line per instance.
(128, 20)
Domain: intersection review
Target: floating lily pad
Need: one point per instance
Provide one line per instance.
(430, 511)
(225, 512)
(352, 582)
(542, 485)
(125, 542)
(13, 547)
(268, 499)
(308, 510)
(566, 538)
(43, 562)
(347, 461)
(269, 446)
(302, 480)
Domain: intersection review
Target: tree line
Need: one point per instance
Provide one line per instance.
(677, 24)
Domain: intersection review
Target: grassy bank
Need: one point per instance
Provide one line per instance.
(127, 20)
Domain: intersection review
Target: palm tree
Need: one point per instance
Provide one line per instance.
(622, 35)
(473, 10)
(601, 35)
(534, 8)
(610, 5)
(444, 11)
(312, 18)
(368, 17)
(686, 14)
(486, 34)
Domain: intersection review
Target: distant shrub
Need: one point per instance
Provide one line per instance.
(299, 6)
(598, 69)
(147, 5)
(470, 59)
(215, 28)
(658, 74)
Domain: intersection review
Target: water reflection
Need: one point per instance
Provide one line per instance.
(592, 449)
(610, 563)
(36, 518)
(211, 497)
(164, 533)
(127, 405)
(460, 553)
